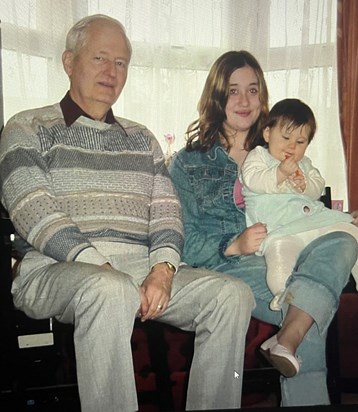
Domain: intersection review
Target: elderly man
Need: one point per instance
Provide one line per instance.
(100, 228)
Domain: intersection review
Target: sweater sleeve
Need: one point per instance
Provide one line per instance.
(27, 194)
(166, 235)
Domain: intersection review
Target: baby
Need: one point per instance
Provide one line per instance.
(282, 189)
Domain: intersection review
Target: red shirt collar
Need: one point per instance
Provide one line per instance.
(71, 111)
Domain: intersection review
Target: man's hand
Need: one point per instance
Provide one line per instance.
(155, 292)
(249, 241)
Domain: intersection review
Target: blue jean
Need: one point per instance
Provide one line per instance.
(321, 273)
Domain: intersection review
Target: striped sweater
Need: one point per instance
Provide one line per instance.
(68, 189)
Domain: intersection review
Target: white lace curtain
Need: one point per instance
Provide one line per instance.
(174, 44)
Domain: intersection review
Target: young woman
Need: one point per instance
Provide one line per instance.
(232, 108)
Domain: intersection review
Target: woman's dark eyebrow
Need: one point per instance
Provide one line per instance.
(250, 84)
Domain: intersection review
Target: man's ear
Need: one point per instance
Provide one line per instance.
(67, 61)
(266, 134)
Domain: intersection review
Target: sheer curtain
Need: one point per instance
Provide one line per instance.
(175, 42)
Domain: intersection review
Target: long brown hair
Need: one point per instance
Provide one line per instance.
(203, 132)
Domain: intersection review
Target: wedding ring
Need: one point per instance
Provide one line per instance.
(159, 307)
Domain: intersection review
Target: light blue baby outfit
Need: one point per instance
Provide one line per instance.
(284, 210)
(294, 219)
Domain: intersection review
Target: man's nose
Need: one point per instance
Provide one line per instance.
(111, 68)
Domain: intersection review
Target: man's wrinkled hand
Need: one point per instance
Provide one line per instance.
(155, 292)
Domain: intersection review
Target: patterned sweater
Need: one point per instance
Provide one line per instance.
(68, 189)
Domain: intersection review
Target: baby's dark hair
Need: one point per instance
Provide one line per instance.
(293, 113)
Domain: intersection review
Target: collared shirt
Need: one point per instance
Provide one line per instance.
(71, 111)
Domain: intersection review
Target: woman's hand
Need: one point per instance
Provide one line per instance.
(249, 241)
(354, 214)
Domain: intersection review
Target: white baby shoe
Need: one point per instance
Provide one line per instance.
(286, 363)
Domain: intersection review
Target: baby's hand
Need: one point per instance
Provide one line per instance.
(298, 172)
(288, 166)
(298, 180)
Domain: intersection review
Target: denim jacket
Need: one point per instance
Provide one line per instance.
(205, 185)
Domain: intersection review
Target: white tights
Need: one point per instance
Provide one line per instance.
(281, 255)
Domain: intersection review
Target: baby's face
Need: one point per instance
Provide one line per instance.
(285, 141)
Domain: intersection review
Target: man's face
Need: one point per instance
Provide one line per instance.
(99, 72)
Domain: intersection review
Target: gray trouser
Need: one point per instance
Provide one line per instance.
(102, 306)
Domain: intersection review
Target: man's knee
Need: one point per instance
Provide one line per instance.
(112, 281)
(105, 286)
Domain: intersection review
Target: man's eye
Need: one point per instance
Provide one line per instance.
(120, 63)
(99, 59)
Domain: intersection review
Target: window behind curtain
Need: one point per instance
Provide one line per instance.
(174, 44)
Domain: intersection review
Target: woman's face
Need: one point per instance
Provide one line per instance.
(243, 106)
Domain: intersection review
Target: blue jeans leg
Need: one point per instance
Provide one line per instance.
(322, 271)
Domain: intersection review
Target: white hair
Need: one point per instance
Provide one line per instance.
(78, 34)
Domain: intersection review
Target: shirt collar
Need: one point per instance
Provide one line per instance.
(71, 111)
